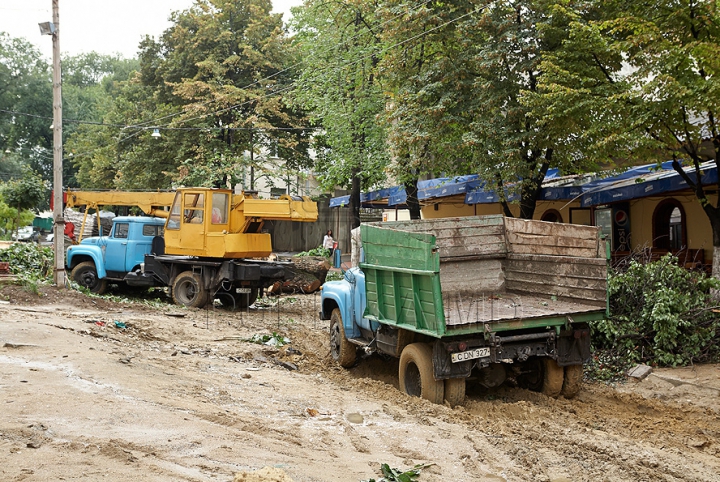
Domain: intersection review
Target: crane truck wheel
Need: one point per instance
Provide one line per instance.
(188, 290)
(553, 377)
(86, 276)
(573, 380)
(342, 351)
(416, 374)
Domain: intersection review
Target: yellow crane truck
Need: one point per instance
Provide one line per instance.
(207, 245)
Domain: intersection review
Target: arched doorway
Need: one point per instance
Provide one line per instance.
(669, 226)
(552, 216)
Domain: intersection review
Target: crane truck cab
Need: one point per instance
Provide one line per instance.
(205, 248)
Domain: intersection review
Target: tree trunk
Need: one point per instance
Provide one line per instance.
(306, 275)
(412, 199)
(355, 199)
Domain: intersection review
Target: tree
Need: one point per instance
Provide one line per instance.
(25, 193)
(213, 85)
(642, 77)
(460, 75)
(25, 87)
(340, 47)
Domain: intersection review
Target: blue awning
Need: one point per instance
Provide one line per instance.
(447, 186)
(479, 195)
(650, 184)
(391, 196)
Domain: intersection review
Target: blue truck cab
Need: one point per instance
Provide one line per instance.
(348, 296)
(100, 259)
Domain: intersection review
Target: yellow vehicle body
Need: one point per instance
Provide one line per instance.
(208, 222)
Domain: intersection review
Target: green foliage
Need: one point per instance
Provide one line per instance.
(319, 251)
(31, 262)
(154, 298)
(9, 219)
(340, 85)
(396, 475)
(661, 314)
(609, 365)
(27, 192)
(26, 87)
(271, 340)
(334, 276)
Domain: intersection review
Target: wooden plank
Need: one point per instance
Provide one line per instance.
(541, 289)
(509, 306)
(529, 226)
(553, 250)
(559, 268)
(599, 261)
(517, 280)
(478, 247)
(559, 241)
(442, 224)
(478, 275)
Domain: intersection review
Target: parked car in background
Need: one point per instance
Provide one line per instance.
(27, 233)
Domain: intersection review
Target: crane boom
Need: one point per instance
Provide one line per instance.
(147, 201)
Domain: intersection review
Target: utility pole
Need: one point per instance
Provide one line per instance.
(58, 214)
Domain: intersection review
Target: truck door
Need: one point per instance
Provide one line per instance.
(116, 247)
(192, 223)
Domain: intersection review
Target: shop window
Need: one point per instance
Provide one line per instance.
(669, 226)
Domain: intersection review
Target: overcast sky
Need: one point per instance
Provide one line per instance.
(104, 26)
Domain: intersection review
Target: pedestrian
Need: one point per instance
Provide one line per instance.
(329, 242)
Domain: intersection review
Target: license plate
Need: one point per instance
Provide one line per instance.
(470, 354)
(242, 290)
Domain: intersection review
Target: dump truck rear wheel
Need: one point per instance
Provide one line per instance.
(573, 380)
(417, 377)
(342, 351)
(455, 391)
(188, 290)
(553, 377)
(86, 276)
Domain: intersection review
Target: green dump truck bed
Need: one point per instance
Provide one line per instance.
(453, 276)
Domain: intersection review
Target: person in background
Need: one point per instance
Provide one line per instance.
(329, 242)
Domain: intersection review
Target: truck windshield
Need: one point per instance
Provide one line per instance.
(219, 207)
(174, 218)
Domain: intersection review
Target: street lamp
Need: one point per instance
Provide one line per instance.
(52, 28)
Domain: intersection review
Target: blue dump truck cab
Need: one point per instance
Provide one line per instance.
(478, 299)
(101, 259)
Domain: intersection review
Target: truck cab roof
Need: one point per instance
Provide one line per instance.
(139, 219)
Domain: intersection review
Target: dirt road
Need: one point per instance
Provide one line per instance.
(95, 390)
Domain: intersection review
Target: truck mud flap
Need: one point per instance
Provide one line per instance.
(444, 367)
(573, 347)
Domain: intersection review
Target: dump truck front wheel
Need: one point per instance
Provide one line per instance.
(188, 290)
(416, 373)
(86, 276)
(342, 351)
